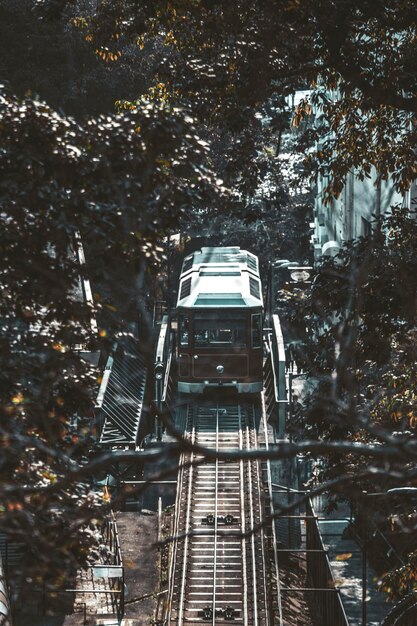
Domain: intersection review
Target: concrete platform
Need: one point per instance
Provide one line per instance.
(138, 533)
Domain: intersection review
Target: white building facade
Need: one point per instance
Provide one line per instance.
(353, 214)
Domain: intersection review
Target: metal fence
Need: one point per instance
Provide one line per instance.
(107, 583)
(326, 596)
(307, 580)
(116, 583)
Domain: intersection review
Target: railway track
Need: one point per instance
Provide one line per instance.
(219, 569)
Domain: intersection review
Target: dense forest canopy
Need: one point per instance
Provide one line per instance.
(126, 121)
(60, 178)
(227, 59)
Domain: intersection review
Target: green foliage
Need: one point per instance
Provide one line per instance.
(55, 58)
(363, 287)
(227, 58)
(121, 181)
(398, 583)
(197, 73)
(363, 347)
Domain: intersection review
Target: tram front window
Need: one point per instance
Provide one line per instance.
(219, 332)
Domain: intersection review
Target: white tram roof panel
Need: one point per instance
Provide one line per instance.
(221, 257)
(220, 277)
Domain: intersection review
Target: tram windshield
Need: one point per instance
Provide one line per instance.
(216, 332)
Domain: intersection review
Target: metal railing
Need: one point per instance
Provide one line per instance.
(73, 599)
(319, 572)
(164, 379)
(121, 399)
(274, 541)
(404, 613)
(316, 588)
(270, 388)
(5, 615)
(111, 570)
(111, 537)
(274, 377)
(160, 308)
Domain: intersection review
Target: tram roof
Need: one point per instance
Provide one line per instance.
(220, 277)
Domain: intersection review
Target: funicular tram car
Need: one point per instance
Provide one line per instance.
(219, 312)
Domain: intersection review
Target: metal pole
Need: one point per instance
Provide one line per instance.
(364, 585)
(160, 392)
(159, 369)
(290, 376)
(159, 519)
(43, 599)
(169, 260)
(289, 461)
(270, 294)
(122, 596)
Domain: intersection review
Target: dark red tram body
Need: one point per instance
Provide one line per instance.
(220, 321)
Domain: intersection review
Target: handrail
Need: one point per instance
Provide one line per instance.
(166, 379)
(85, 283)
(279, 365)
(162, 344)
(163, 359)
(104, 382)
(274, 531)
(274, 373)
(275, 384)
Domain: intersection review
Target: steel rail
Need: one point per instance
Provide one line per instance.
(219, 574)
(251, 528)
(176, 530)
(216, 508)
(262, 534)
(187, 532)
(243, 527)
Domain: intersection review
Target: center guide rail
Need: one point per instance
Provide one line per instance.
(219, 569)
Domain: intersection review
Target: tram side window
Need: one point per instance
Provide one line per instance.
(184, 330)
(256, 330)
